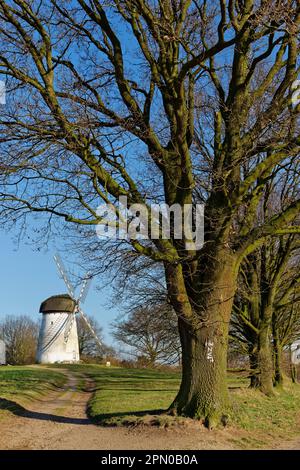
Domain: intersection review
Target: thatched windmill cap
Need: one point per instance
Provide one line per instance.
(58, 303)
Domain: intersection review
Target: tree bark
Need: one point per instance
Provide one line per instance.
(277, 350)
(265, 364)
(203, 393)
(294, 373)
(254, 371)
(293, 369)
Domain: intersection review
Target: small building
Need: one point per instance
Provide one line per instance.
(2, 353)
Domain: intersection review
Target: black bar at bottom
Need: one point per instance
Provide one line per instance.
(137, 459)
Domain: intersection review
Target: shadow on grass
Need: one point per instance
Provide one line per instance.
(19, 410)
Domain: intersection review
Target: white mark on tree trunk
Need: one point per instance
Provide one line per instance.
(209, 345)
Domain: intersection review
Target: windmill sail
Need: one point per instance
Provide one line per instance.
(100, 345)
(62, 270)
(85, 288)
(82, 296)
(58, 340)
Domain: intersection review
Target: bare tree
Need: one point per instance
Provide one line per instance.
(266, 276)
(286, 316)
(152, 333)
(266, 311)
(20, 335)
(200, 103)
(88, 346)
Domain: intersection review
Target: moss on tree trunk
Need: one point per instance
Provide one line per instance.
(254, 371)
(203, 393)
(277, 351)
(294, 373)
(265, 363)
(203, 332)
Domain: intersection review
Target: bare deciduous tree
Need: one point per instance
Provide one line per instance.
(266, 311)
(20, 335)
(88, 346)
(267, 281)
(152, 333)
(156, 101)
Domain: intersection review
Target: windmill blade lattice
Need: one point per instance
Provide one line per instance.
(91, 328)
(85, 288)
(63, 273)
(82, 296)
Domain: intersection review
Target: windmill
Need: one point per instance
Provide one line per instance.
(58, 339)
(2, 353)
(295, 353)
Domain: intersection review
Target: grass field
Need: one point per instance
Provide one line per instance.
(132, 396)
(121, 393)
(19, 383)
(124, 395)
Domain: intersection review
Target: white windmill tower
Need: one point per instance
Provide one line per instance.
(2, 353)
(295, 353)
(58, 339)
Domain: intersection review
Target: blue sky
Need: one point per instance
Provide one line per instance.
(28, 277)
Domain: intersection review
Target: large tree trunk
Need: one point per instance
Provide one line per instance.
(293, 369)
(265, 363)
(265, 356)
(277, 350)
(254, 371)
(261, 363)
(294, 373)
(203, 331)
(203, 391)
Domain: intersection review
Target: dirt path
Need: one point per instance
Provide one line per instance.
(294, 444)
(59, 421)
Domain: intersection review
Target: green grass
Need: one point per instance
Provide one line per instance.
(122, 393)
(267, 418)
(132, 396)
(237, 379)
(18, 383)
